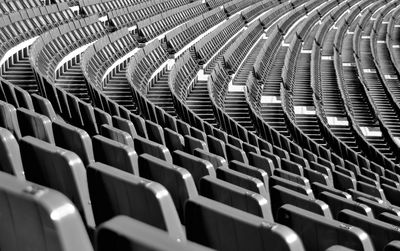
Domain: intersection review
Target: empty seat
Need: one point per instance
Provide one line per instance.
(196, 166)
(250, 171)
(281, 196)
(261, 162)
(35, 124)
(155, 132)
(43, 106)
(9, 120)
(235, 153)
(74, 139)
(236, 197)
(275, 180)
(23, 97)
(116, 135)
(337, 204)
(10, 156)
(173, 140)
(57, 168)
(192, 143)
(115, 154)
(242, 180)
(114, 192)
(215, 160)
(178, 181)
(38, 218)
(124, 125)
(222, 227)
(292, 177)
(319, 233)
(381, 233)
(319, 188)
(160, 151)
(124, 234)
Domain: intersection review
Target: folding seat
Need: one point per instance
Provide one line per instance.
(143, 145)
(10, 157)
(60, 169)
(367, 180)
(392, 246)
(76, 116)
(155, 132)
(337, 203)
(216, 146)
(304, 190)
(225, 228)
(34, 124)
(196, 166)
(372, 190)
(275, 159)
(392, 175)
(261, 162)
(315, 225)
(178, 181)
(23, 98)
(242, 180)
(220, 135)
(235, 197)
(391, 194)
(125, 233)
(170, 122)
(102, 117)
(342, 181)
(357, 194)
(88, 118)
(381, 233)
(292, 177)
(63, 103)
(250, 171)
(215, 160)
(73, 139)
(32, 219)
(10, 93)
(292, 167)
(345, 172)
(315, 176)
(378, 208)
(173, 140)
(389, 218)
(9, 120)
(148, 201)
(322, 169)
(389, 182)
(124, 125)
(139, 124)
(235, 141)
(183, 127)
(235, 153)
(115, 154)
(116, 135)
(192, 143)
(318, 188)
(281, 195)
(43, 106)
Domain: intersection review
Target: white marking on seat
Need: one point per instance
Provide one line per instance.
(304, 110)
(270, 100)
(369, 70)
(350, 32)
(371, 131)
(327, 58)
(337, 121)
(391, 77)
(365, 37)
(397, 26)
(348, 64)
(395, 46)
(306, 51)
(381, 42)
